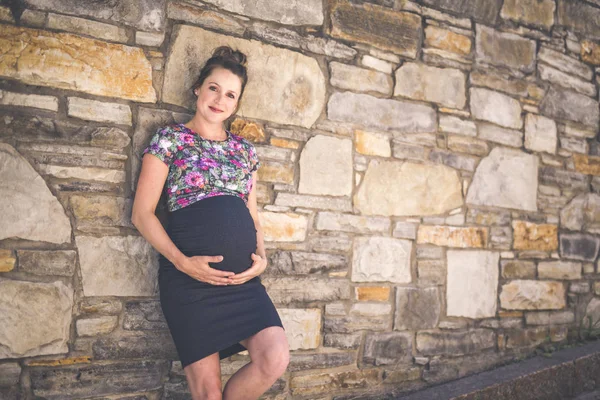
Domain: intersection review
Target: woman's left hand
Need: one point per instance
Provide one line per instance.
(259, 265)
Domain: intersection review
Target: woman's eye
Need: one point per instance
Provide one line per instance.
(231, 96)
(213, 88)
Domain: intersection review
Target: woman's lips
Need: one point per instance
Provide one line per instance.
(213, 109)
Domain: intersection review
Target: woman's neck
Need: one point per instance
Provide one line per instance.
(207, 131)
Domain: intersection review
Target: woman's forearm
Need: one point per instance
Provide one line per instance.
(152, 230)
(260, 242)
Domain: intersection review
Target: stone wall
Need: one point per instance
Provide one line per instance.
(429, 186)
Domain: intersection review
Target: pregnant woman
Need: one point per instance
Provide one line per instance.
(212, 253)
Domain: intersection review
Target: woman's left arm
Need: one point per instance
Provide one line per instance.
(259, 257)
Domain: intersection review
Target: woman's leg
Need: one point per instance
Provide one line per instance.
(204, 378)
(270, 355)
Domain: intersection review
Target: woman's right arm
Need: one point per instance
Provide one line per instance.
(150, 185)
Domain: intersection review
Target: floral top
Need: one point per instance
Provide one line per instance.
(200, 168)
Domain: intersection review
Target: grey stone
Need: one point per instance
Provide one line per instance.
(144, 315)
(517, 269)
(529, 337)
(501, 237)
(117, 266)
(480, 10)
(153, 345)
(417, 308)
(294, 78)
(357, 79)
(488, 217)
(203, 17)
(559, 270)
(566, 81)
(408, 151)
(100, 379)
(445, 86)
(383, 114)
(83, 26)
(530, 12)
(579, 16)
(472, 283)
(455, 343)
(592, 314)
(496, 107)
(506, 178)
(326, 166)
(564, 179)
(35, 317)
(308, 201)
(388, 348)
(540, 134)
(494, 133)
(351, 223)
(452, 124)
(575, 145)
(146, 15)
(565, 63)
(405, 230)
(452, 160)
(288, 290)
(112, 138)
(564, 104)
(28, 208)
(355, 323)
(577, 246)
(582, 213)
(579, 287)
(290, 13)
(9, 374)
(58, 262)
(400, 189)
(331, 243)
(431, 272)
(532, 295)
(469, 145)
(381, 259)
(302, 263)
(549, 318)
(342, 341)
(302, 361)
(504, 49)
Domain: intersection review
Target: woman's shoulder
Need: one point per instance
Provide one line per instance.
(171, 130)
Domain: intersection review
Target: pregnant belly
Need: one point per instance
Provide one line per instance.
(221, 226)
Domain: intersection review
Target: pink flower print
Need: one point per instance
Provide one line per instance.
(183, 202)
(235, 145)
(179, 163)
(187, 138)
(194, 179)
(237, 163)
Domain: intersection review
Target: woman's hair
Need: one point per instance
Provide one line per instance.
(229, 59)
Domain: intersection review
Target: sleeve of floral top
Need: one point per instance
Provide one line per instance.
(163, 145)
(253, 157)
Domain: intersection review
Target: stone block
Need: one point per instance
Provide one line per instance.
(7, 261)
(381, 259)
(372, 293)
(401, 189)
(496, 134)
(203, 17)
(566, 80)
(302, 327)
(528, 337)
(305, 361)
(28, 100)
(563, 179)
(9, 374)
(504, 49)
(568, 105)
(579, 16)
(283, 227)
(372, 144)
(148, 345)
(118, 70)
(589, 165)
(452, 343)
(248, 130)
(349, 77)
(377, 64)
(151, 39)
(417, 308)
(350, 324)
(143, 315)
(559, 270)
(456, 161)
(469, 145)
(99, 30)
(351, 223)
(95, 305)
(531, 236)
(342, 341)
(313, 385)
(289, 290)
(540, 134)
(445, 86)
(388, 348)
(532, 295)
(96, 326)
(431, 271)
(479, 10)
(326, 167)
(472, 283)
(276, 172)
(579, 246)
(549, 318)
(517, 269)
(488, 217)
(84, 173)
(530, 12)
(292, 13)
(452, 124)
(495, 107)
(590, 52)
(448, 40)
(451, 236)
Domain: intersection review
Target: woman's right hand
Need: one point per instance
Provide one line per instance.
(197, 267)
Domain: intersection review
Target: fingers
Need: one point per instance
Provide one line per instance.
(213, 259)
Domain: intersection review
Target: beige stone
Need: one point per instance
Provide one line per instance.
(381, 259)
(27, 207)
(357, 79)
(504, 49)
(51, 59)
(566, 80)
(104, 210)
(452, 124)
(201, 16)
(445, 86)
(276, 172)
(152, 39)
(302, 327)
(372, 144)
(394, 31)
(296, 80)
(283, 227)
(372, 293)
(530, 12)
(472, 283)
(292, 290)
(315, 386)
(351, 223)
(565, 63)
(559, 270)
(28, 100)
(396, 188)
(92, 174)
(35, 318)
(516, 269)
(532, 295)
(450, 236)
(531, 236)
(307, 201)
(540, 134)
(495, 107)
(100, 30)
(117, 266)
(469, 145)
(7, 261)
(377, 64)
(295, 12)
(96, 326)
(326, 166)
(447, 40)
(99, 111)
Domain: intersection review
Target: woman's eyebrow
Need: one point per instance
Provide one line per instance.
(232, 91)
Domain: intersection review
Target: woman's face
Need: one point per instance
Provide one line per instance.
(218, 96)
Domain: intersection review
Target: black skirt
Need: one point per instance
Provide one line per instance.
(203, 318)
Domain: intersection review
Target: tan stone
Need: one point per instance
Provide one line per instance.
(321, 384)
(105, 210)
(28, 100)
(207, 18)
(533, 295)
(276, 172)
(96, 326)
(87, 27)
(248, 130)
(590, 52)
(450, 236)
(585, 164)
(559, 270)
(302, 327)
(398, 32)
(396, 188)
(71, 62)
(99, 111)
(280, 227)
(295, 12)
(351, 223)
(531, 12)
(372, 293)
(512, 269)
(447, 40)
(7, 261)
(295, 80)
(92, 174)
(357, 79)
(530, 236)
(504, 49)
(372, 144)
(286, 144)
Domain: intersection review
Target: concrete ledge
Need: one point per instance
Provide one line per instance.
(566, 374)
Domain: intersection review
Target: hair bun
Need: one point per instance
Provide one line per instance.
(229, 54)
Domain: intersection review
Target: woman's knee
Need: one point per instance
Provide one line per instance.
(275, 361)
(208, 390)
